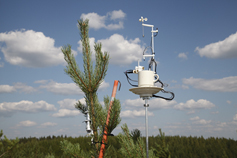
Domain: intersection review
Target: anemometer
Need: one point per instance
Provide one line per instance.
(146, 84)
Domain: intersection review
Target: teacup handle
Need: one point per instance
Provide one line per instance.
(156, 78)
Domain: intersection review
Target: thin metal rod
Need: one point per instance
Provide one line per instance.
(146, 106)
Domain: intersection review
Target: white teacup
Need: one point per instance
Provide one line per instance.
(146, 78)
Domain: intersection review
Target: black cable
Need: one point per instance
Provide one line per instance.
(170, 98)
(152, 61)
(162, 84)
(129, 79)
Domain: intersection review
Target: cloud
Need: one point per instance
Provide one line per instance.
(24, 88)
(235, 117)
(8, 108)
(183, 55)
(17, 86)
(48, 124)
(134, 113)
(7, 89)
(222, 124)
(155, 103)
(66, 113)
(26, 123)
(227, 84)
(222, 49)
(202, 122)
(31, 49)
(197, 120)
(191, 105)
(121, 50)
(194, 118)
(70, 103)
(229, 102)
(65, 88)
(97, 21)
(61, 88)
(117, 14)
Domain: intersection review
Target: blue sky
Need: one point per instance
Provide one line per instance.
(196, 51)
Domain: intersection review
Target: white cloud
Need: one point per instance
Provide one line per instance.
(103, 85)
(191, 105)
(229, 102)
(222, 124)
(202, 122)
(155, 103)
(117, 14)
(194, 118)
(222, 49)
(121, 50)
(17, 86)
(70, 103)
(61, 88)
(65, 88)
(24, 88)
(197, 120)
(66, 113)
(227, 84)
(26, 123)
(7, 108)
(215, 112)
(97, 21)
(235, 117)
(183, 55)
(134, 113)
(7, 89)
(31, 49)
(48, 124)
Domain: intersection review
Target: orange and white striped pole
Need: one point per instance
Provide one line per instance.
(102, 148)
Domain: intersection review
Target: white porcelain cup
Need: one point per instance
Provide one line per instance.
(146, 78)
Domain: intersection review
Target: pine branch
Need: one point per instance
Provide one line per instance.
(67, 52)
(82, 108)
(9, 143)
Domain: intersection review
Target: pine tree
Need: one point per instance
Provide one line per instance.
(129, 147)
(133, 146)
(89, 82)
(162, 150)
(7, 144)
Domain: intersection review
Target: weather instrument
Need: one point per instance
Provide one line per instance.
(88, 123)
(146, 86)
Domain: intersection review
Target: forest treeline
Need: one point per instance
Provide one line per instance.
(179, 147)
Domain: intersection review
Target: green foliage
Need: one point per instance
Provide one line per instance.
(133, 146)
(129, 148)
(161, 150)
(89, 81)
(136, 133)
(179, 147)
(7, 145)
(73, 150)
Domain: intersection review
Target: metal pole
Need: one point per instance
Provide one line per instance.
(146, 106)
